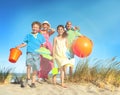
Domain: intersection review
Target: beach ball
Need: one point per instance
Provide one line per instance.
(82, 46)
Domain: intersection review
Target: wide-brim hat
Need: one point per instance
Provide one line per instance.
(46, 22)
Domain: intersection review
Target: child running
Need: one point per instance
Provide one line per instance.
(59, 53)
(33, 41)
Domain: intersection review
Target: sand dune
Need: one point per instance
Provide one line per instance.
(50, 89)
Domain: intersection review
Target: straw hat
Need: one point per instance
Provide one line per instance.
(46, 22)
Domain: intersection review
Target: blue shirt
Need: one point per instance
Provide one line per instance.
(34, 41)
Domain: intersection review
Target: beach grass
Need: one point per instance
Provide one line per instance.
(101, 73)
(5, 74)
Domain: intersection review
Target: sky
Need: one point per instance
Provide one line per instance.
(99, 20)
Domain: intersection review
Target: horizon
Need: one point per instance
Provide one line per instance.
(98, 20)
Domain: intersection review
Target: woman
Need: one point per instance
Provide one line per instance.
(46, 64)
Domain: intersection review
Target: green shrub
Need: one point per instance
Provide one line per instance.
(4, 72)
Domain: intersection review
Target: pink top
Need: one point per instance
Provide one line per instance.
(47, 43)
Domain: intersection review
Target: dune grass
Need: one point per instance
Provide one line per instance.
(101, 72)
(7, 76)
(4, 73)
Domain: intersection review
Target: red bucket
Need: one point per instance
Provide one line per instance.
(14, 55)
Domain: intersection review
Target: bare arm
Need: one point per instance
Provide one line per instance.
(51, 32)
(77, 28)
(67, 45)
(21, 45)
(54, 44)
(77, 31)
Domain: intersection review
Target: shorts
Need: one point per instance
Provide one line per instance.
(33, 60)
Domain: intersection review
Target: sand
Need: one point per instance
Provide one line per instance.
(50, 89)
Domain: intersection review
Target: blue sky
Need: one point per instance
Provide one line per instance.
(98, 19)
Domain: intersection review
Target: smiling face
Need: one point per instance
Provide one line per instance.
(45, 26)
(35, 28)
(68, 25)
(60, 31)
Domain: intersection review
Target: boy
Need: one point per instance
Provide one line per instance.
(33, 41)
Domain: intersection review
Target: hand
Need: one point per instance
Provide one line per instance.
(43, 45)
(53, 30)
(76, 28)
(17, 47)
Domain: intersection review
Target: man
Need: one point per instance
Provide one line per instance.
(73, 33)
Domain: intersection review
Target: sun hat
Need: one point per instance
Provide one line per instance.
(46, 22)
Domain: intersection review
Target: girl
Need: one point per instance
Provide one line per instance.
(46, 64)
(59, 52)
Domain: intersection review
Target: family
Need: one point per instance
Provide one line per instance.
(61, 51)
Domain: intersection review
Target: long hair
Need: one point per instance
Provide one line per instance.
(65, 33)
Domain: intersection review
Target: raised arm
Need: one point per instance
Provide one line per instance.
(77, 31)
(51, 31)
(76, 28)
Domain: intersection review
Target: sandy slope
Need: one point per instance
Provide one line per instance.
(49, 89)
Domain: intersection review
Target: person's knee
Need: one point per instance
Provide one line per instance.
(71, 67)
(28, 67)
(34, 72)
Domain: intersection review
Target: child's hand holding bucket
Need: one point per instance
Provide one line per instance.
(14, 55)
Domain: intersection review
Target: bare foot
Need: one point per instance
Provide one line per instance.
(65, 78)
(71, 79)
(54, 83)
(64, 86)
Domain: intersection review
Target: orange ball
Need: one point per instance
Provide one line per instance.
(82, 46)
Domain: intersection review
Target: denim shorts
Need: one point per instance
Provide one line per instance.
(33, 60)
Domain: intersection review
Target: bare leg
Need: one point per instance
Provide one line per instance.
(28, 71)
(33, 79)
(34, 76)
(71, 72)
(64, 68)
(54, 79)
(62, 76)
